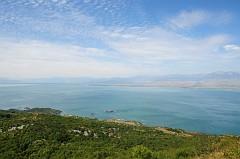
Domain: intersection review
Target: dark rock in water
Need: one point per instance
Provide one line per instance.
(109, 111)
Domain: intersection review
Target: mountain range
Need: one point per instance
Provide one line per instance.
(215, 79)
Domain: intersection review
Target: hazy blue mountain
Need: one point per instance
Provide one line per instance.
(7, 81)
(223, 75)
(82, 80)
(215, 76)
(180, 77)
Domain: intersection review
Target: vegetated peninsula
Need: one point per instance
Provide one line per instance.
(43, 133)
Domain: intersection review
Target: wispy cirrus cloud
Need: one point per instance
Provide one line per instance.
(128, 52)
(188, 19)
(156, 45)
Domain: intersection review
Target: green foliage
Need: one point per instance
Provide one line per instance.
(233, 154)
(142, 152)
(187, 152)
(34, 110)
(37, 135)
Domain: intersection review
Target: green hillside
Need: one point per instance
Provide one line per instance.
(38, 134)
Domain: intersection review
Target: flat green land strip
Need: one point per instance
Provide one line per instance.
(43, 135)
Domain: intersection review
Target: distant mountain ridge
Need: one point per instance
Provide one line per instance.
(171, 78)
(7, 81)
(223, 75)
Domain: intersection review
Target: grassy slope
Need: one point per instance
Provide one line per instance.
(34, 135)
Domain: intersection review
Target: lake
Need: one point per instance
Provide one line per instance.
(212, 111)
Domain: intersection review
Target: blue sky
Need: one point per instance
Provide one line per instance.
(118, 38)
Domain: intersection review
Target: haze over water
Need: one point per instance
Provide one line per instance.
(211, 111)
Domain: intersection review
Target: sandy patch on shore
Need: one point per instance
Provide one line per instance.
(181, 133)
(120, 121)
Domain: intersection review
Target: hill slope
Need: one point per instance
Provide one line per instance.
(36, 135)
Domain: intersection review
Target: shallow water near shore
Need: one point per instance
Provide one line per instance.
(211, 111)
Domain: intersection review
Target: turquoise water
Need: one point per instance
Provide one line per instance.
(209, 111)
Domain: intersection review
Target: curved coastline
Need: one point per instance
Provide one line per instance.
(40, 128)
(164, 129)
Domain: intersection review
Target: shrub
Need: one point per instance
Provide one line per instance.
(142, 152)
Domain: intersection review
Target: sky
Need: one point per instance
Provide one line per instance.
(118, 38)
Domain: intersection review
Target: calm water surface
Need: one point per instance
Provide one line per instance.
(204, 110)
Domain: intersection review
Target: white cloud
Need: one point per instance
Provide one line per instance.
(41, 59)
(23, 68)
(39, 50)
(46, 17)
(158, 45)
(97, 41)
(128, 52)
(190, 19)
(232, 48)
(60, 1)
(65, 19)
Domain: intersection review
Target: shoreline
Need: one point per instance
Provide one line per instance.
(165, 129)
(112, 138)
(237, 87)
(170, 86)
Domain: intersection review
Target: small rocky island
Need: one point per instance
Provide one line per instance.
(109, 111)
